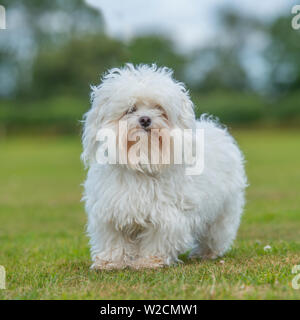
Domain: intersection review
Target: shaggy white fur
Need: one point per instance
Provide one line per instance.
(145, 216)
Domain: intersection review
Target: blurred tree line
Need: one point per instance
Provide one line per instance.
(248, 75)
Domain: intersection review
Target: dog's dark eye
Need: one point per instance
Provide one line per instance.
(131, 110)
(162, 110)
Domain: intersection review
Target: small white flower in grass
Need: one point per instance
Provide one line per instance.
(267, 248)
(222, 261)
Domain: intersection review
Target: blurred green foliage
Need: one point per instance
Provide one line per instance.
(51, 82)
(157, 49)
(283, 55)
(59, 114)
(71, 69)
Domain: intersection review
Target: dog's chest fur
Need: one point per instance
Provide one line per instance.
(132, 201)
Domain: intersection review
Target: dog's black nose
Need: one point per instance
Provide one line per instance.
(145, 121)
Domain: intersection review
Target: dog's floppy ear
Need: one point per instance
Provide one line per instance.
(187, 116)
(91, 125)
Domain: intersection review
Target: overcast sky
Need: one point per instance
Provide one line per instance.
(189, 22)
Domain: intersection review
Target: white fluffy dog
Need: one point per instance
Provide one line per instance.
(146, 215)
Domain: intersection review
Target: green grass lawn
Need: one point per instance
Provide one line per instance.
(45, 251)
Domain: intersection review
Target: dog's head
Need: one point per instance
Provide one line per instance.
(144, 98)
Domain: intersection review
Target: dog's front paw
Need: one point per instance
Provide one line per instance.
(100, 264)
(152, 262)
